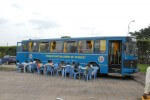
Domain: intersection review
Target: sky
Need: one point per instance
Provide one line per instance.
(43, 19)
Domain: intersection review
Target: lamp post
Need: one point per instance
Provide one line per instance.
(129, 26)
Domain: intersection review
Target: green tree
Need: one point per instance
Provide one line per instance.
(11, 50)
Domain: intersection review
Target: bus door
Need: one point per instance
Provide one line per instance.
(30, 49)
(115, 56)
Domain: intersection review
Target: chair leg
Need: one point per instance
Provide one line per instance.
(51, 72)
(63, 72)
(95, 76)
(86, 77)
(74, 76)
(30, 70)
(46, 73)
(70, 74)
(90, 77)
(38, 72)
(57, 73)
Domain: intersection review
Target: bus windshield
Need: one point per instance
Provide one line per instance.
(131, 48)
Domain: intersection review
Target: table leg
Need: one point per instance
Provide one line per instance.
(24, 68)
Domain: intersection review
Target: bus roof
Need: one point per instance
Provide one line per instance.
(79, 38)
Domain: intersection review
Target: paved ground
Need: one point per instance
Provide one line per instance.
(26, 86)
(139, 77)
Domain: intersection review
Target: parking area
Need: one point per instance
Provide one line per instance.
(26, 86)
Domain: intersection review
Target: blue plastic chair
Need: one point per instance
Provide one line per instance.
(31, 67)
(50, 70)
(67, 70)
(81, 72)
(19, 67)
(57, 69)
(75, 73)
(39, 70)
(95, 71)
(89, 74)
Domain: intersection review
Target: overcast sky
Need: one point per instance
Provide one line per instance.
(34, 19)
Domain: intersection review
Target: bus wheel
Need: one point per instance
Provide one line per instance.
(96, 65)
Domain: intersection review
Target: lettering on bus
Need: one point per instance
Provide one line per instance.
(65, 56)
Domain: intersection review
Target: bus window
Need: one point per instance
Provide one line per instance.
(19, 47)
(102, 46)
(56, 46)
(70, 47)
(131, 48)
(96, 46)
(85, 46)
(44, 47)
(35, 47)
(24, 47)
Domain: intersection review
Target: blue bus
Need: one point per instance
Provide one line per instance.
(110, 54)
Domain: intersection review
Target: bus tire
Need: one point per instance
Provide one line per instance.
(95, 64)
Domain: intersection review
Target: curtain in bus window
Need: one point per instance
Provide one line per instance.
(102, 45)
(56, 46)
(53, 46)
(70, 46)
(65, 47)
(85, 46)
(44, 47)
(30, 46)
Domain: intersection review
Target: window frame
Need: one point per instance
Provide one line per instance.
(26, 47)
(56, 51)
(44, 50)
(65, 50)
(85, 50)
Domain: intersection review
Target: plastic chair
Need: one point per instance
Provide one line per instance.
(81, 72)
(19, 67)
(57, 69)
(31, 67)
(95, 71)
(89, 74)
(39, 70)
(75, 73)
(67, 70)
(50, 70)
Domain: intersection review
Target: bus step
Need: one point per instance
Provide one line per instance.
(115, 70)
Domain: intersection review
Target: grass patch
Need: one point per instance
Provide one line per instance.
(143, 67)
(7, 69)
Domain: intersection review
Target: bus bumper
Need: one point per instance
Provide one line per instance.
(129, 71)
